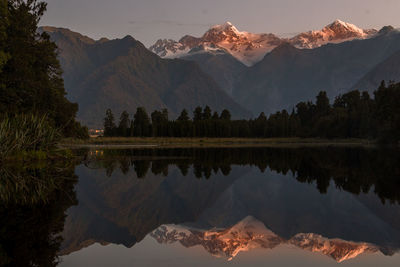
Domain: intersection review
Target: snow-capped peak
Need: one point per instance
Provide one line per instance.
(249, 48)
(336, 32)
(226, 27)
(344, 25)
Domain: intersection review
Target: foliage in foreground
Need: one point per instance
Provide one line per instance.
(30, 73)
(26, 133)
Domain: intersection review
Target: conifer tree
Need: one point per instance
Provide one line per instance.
(141, 123)
(30, 73)
(124, 123)
(198, 114)
(109, 125)
(3, 33)
(184, 116)
(206, 113)
(225, 115)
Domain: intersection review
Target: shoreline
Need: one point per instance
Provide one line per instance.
(171, 142)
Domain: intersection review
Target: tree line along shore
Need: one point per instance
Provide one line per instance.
(354, 115)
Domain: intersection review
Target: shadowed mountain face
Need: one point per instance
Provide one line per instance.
(289, 75)
(388, 70)
(333, 201)
(250, 234)
(221, 66)
(122, 75)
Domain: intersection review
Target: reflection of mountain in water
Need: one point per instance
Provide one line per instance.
(252, 234)
(123, 209)
(124, 195)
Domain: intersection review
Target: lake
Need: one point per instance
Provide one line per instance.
(247, 206)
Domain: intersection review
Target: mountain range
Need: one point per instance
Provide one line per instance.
(250, 48)
(289, 75)
(244, 72)
(280, 72)
(123, 74)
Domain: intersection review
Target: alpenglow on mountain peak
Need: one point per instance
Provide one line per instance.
(250, 233)
(250, 48)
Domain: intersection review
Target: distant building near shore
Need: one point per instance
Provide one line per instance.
(96, 132)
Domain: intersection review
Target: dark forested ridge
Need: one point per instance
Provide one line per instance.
(351, 115)
(30, 73)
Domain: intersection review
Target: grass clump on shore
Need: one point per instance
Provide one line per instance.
(26, 133)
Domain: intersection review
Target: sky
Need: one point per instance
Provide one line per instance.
(149, 20)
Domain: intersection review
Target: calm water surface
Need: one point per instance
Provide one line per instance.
(205, 206)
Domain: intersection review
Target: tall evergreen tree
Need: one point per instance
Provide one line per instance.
(31, 80)
(215, 116)
(387, 112)
(109, 124)
(159, 123)
(206, 113)
(183, 125)
(131, 129)
(124, 124)
(3, 33)
(184, 116)
(197, 114)
(322, 105)
(226, 115)
(260, 125)
(141, 123)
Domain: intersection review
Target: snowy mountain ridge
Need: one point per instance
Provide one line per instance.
(250, 48)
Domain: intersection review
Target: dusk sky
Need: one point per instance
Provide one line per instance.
(149, 20)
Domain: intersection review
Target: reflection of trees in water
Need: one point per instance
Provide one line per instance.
(355, 170)
(33, 202)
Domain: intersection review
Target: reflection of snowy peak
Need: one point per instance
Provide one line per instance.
(251, 234)
(245, 235)
(339, 250)
(336, 32)
(249, 48)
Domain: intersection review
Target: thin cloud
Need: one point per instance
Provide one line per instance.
(167, 22)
